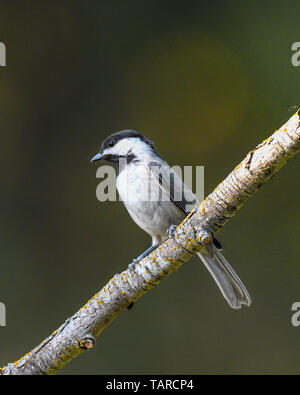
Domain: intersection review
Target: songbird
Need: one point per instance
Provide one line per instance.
(157, 200)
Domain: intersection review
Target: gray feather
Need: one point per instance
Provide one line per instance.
(172, 184)
(226, 278)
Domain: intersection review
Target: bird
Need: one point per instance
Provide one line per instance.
(157, 200)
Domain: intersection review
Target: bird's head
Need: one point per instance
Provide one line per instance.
(127, 144)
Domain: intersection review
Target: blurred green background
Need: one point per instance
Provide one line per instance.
(207, 81)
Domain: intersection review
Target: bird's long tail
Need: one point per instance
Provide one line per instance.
(228, 281)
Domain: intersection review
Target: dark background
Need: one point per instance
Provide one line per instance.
(207, 81)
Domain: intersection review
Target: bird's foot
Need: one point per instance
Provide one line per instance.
(171, 230)
(132, 264)
(142, 256)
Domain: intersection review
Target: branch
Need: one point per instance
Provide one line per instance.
(79, 332)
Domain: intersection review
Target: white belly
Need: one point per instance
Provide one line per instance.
(148, 206)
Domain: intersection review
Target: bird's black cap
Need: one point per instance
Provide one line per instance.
(123, 134)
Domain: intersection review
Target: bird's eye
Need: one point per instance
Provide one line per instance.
(111, 143)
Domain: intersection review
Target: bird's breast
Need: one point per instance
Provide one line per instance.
(148, 206)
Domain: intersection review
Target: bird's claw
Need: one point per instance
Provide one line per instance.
(171, 230)
(132, 264)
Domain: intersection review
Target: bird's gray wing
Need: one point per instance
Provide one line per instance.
(172, 185)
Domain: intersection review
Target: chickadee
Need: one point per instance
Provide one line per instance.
(157, 199)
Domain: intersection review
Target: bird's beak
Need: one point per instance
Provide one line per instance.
(98, 157)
